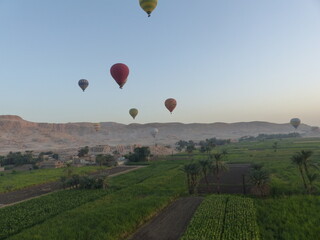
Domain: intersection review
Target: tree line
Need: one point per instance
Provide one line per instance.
(262, 137)
(27, 157)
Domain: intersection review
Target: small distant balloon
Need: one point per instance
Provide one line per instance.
(133, 112)
(120, 72)
(148, 5)
(96, 126)
(295, 122)
(170, 104)
(154, 132)
(83, 84)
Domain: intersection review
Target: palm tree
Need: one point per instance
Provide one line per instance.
(305, 155)
(275, 146)
(193, 171)
(190, 148)
(302, 159)
(68, 169)
(312, 178)
(205, 167)
(297, 159)
(218, 167)
(260, 179)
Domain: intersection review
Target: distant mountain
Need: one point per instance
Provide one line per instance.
(17, 134)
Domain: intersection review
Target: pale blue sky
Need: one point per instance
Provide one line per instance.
(226, 61)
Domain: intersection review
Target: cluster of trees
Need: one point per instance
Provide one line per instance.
(106, 160)
(140, 154)
(215, 164)
(18, 158)
(85, 182)
(306, 168)
(27, 157)
(203, 146)
(262, 137)
(83, 151)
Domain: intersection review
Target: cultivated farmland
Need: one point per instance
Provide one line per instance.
(136, 197)
(224, 217)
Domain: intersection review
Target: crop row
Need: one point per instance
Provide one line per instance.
(17, 217)
(240, 220)
(223, 217)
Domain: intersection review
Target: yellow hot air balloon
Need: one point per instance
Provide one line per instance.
(96, 126)
(148, 5)
(133, 112)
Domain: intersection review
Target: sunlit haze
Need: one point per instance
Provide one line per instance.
(223, 61)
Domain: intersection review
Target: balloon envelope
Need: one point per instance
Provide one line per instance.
(295, 122)
(120, 72)
(154, 132)
(133, 112)
(83, 84)
(148, 5)
(170, 104)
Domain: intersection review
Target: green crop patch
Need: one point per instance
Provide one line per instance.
(224, 217)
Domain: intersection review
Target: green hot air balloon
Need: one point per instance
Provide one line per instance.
(148, 5)
(133, 112)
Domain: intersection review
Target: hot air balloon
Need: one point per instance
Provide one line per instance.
(96, 126)
(295, 122)
(133, 112)
(148, 5)
(120, 72)
(154, 132)
(83, 84)
(170, 104)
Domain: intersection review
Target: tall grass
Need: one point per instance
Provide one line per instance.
(289, 218)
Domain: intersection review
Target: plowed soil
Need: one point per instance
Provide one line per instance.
(231, 182)
(171, 223)
(38, 190)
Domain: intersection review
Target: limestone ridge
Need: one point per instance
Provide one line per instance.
(17, 134)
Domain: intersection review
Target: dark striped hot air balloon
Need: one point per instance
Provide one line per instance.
(295, 122)
(83, 84)
(170, 104)
(120, 72)
(133, 112)
(148, 5)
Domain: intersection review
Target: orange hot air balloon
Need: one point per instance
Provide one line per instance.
(170, 104)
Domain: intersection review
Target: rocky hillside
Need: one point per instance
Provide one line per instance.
(17, 134)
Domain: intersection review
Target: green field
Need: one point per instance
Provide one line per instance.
(135, 197)
(224, 217)
(21, 179)
(291, 217)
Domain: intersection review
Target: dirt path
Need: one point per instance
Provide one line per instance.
(171, 223)
(41, 189)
